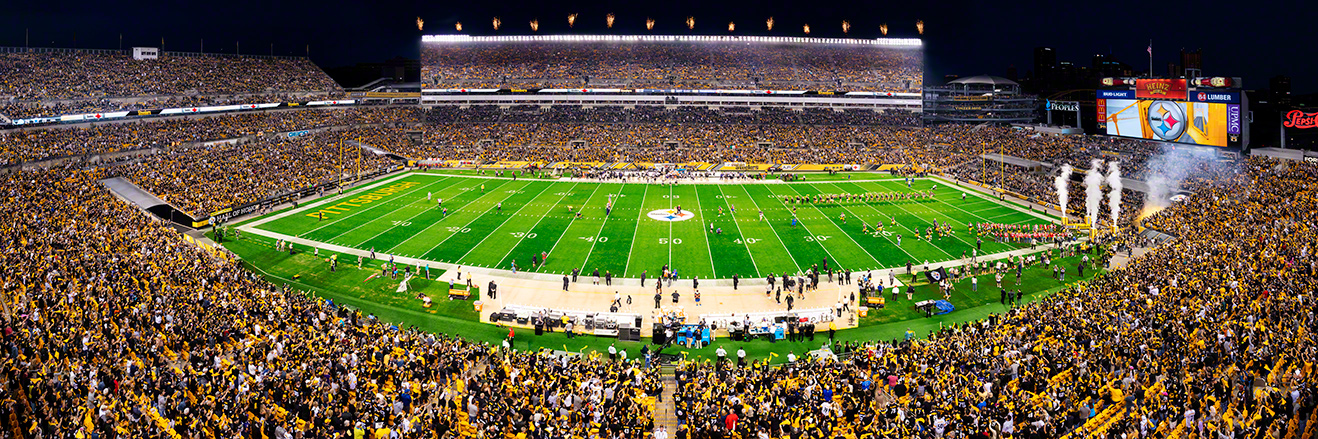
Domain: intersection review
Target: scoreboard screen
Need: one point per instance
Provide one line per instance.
(1165, 110)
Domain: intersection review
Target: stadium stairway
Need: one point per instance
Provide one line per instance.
(665, 412)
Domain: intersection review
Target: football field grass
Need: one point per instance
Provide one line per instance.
(496, 222)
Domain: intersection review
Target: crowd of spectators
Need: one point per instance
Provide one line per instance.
(30, 109)
(115, 327)
(202, 178)
(1210, 335)
(671, 65)
(25, 145)
(45, 76)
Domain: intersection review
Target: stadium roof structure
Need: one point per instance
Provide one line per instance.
(887, 42)
(984, 79)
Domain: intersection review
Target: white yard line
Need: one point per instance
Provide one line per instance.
(560, 235)
(336, 220)
(369, 222)
(617, 196)
(696, 190)
(789, 254)
(627, 264)
(894, 243)
(844, 233)
(505, 221)
(391, 228)
(414, 235)
(742, 235)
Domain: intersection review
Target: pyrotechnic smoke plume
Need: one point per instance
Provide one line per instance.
(1114, 194)
(1093, 191)
(1061, 183)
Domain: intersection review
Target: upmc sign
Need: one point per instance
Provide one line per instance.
(1160, 89)
(1300, 119)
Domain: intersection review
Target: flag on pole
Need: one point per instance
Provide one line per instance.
(1150, 49)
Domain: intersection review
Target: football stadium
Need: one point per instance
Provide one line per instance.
(668, 231)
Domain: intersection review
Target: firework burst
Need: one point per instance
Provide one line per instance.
(732, 26)
(497, 22)
(458, 26)
(420, 24)
(535, 25)
(571, 20)
(846, 26)
(649, 23)
(769, 23)
(609, 19)
(884, 28)
(691, 23)
(806, 28)
(919, 26)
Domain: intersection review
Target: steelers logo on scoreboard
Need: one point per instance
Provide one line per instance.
(670, 215)
(1167, 120)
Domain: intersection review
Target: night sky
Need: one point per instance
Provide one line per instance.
(1254, 40)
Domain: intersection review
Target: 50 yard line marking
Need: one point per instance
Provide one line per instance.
(628, 264)
(336, 220)
(537, 222)
(505, 221)
(743, 235)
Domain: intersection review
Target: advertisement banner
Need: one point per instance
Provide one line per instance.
(1300, 119)
(1116, 94)
(1160, 88)
(1225, 97)
(1102, 111)
(1197, 123)
(1063, 105)
(1233, 119)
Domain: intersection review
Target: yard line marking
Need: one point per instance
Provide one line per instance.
(696, 188)
(414, 235)
(564, 233)
(934, 212)
(537, 222)
(844, 207)
(844, 233)
(908, 227)
(409, 219)
(670, 228)
(505, 221)
(771, 229)
(742, 235)
(336, 220)
(628, 264)
(340, 235)
(597, 234)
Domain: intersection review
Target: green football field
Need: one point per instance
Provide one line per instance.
(496, 222)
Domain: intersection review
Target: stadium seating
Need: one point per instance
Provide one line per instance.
(672, 65)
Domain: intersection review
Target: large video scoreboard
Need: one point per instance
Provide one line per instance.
(1170, 111)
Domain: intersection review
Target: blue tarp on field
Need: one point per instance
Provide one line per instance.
(944, 307)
